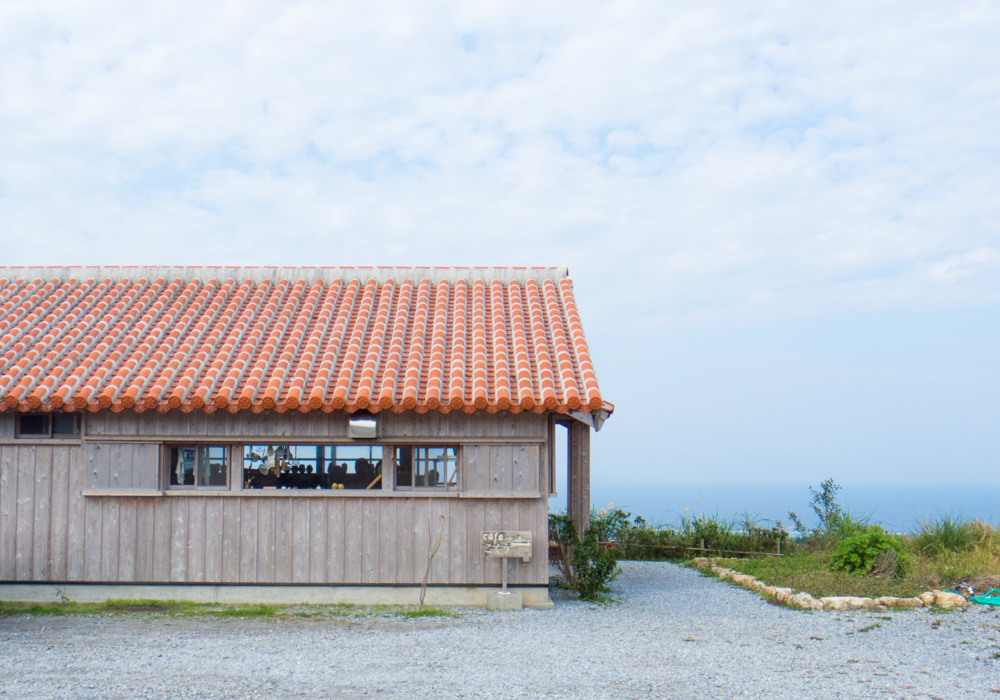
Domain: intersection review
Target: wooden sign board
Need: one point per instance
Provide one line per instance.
(511, 543)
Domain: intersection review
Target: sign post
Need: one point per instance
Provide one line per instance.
(506, 545)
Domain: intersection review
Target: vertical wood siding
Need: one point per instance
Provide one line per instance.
(50, 532)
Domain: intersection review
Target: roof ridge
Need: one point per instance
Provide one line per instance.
(363, 273)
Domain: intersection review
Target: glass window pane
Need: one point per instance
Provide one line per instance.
(182, 465)
(212, 466)
(404, 467)
(33, 424)
(63, 424)
(426, 467)
(312, 466)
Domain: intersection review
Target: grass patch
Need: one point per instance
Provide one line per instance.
(809, 571)
(180, 608)
(946, 534)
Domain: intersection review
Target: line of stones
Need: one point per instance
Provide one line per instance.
(804, 601)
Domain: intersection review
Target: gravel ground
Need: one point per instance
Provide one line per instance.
(672, 633)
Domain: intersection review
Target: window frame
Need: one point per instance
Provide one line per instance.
(167, 459)
(50, 424)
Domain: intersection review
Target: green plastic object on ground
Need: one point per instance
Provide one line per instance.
(990, 598)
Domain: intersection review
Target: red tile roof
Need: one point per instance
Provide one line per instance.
(210, 338)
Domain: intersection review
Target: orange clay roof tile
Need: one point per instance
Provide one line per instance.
(306, 339)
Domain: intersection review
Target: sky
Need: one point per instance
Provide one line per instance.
(782, 219)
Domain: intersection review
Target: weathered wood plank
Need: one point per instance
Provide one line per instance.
(404, 541)
(535, 516)
(474, 526)
(25, 518)
(163, 526)
(249, 536)
(440, 534)
(353, 524)
(76, 521)
(8, 511)
(145, 466)
(475, 468)
(387, 541)
(231, 545)
(492, 520)
(120, 465)
(109, 539)
(500, 468)
(283, 543)
(299, 542)
(265, 540)
(43, 514)
(524, 465)
(213, 540)
(510, 520)
(179, 539)
(336, 555)
(421, 536)
(370, 541)
(93, 527)
(6, 426)
(196, 536)
(59, 513)
(457, 541)
(318, 529)
(127, 539)
(95, 474)
(144, 540)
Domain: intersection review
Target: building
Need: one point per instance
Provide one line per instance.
(286, 434)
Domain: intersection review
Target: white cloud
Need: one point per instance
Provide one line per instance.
(700, 165)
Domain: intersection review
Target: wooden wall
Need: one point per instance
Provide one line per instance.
(292, 424)
(50, 531)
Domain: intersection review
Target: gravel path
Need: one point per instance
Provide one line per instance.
(673, 634)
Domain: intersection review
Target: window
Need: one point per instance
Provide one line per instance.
(312, 466)
(199, 465)
(426, 467)
(48, 425)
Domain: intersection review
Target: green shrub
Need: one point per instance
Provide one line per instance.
(946, 534)
(870, 552)
(587, 564)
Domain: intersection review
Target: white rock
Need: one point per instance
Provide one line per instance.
(847, 603)
(782, 594)
(893, 602)
(804, 601)
(948, 600)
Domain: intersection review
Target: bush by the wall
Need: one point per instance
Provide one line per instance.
(587, 563)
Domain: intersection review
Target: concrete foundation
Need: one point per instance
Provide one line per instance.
(468, 596)
(504, 600)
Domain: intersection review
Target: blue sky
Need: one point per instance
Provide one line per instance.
(782, 219)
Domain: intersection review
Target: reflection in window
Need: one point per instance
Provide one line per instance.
(198, 465)
(426, 467)
(312, 466)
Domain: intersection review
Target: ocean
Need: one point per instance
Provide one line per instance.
(899, 508)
